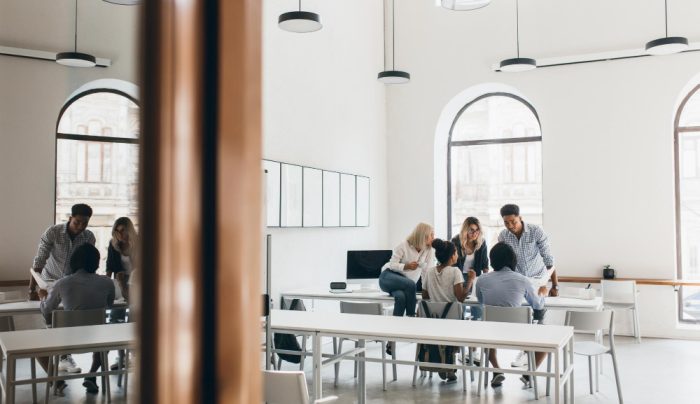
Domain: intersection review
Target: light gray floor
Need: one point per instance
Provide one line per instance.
(655, 371)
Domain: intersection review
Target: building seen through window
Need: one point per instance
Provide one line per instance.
(97, 161)
(494, 158)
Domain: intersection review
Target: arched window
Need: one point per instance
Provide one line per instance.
(687, 153)
(494, 157)
(97, 159)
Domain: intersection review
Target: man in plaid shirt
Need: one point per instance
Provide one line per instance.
(57, 245)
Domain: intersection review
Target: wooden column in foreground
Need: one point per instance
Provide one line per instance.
(200, 202)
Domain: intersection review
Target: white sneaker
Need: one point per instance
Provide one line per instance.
(520, 360)
(68, 365)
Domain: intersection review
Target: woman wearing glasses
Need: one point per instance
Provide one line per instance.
(472, 255)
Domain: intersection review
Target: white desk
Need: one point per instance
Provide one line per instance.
(556, 303)
(58, 341)
(32, 307)
(554, 339)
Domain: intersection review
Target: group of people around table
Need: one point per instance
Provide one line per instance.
(68, 258)
(522, 265)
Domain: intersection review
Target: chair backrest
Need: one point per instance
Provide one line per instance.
(288, 304)
(521, 314)
(436, 309)
(285, 387)
(591, 320)
(361, 308)
(76, 318)
(624, 292)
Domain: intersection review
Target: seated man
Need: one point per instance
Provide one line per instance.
(504, 287)
(82, 290)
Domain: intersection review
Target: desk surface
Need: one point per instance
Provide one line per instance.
(379, 296)
(52, 339)
(32, 306)
(423, 329)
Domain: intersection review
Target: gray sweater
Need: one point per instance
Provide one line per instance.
(79, 291)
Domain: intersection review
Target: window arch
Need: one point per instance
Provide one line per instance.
(97, 159)
(687, 168)
(494, 157)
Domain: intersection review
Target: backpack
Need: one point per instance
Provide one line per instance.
(288, 342)
(436, 353)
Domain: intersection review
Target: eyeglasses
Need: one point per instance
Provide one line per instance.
(473, 231)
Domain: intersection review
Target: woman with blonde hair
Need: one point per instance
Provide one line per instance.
(122, 255)
(408, 261)
(472, 255)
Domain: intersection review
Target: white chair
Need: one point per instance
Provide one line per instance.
(522, 315)
(288, 388)
(455, 312)
(622, 295)
(363, 308)
(596, 321)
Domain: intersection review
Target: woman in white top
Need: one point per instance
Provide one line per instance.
(444, 283)
(408, 261)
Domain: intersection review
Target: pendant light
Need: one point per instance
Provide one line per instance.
(667, 45)
(464, 5)
(300, 21)
(124, 2)
(517, 64)
(75, 58)
(392, 76)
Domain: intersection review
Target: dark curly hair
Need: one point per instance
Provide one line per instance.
(444, 250)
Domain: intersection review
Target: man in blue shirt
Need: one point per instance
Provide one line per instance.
(507, 288)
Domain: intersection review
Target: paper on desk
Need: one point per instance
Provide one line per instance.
(39, 281)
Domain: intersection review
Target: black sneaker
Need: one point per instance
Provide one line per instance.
(443, 375)
(451, 376)
(388, 348)
(526, 381)
(90, 384)
(59, 387)
(497, 380)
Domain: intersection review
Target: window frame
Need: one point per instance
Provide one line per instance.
(467, 143)
(677, 131)
(86, 137)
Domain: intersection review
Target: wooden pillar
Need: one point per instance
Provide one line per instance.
(200, 202)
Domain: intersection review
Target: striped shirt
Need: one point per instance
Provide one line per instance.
(532, 250)
(55, 250)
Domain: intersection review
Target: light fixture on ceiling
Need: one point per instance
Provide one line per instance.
(124, 2)
(75, 58)
(392, 76)
(517, 64)
(464, 5)
(300, 21)
(667, 45)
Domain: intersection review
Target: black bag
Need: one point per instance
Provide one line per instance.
(436, 353)
(288, 342)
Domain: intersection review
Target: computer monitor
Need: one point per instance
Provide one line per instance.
(364, 267)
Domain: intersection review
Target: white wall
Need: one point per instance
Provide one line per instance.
(32, 94)
(607, 127)
(323, 107)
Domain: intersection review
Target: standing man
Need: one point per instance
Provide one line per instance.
(57, 245)
(534, 257)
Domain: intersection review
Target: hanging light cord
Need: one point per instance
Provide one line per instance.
(393, 36)
(75, 38)
(666, 16)
(384, 21)
(299, 5)
(517, 28)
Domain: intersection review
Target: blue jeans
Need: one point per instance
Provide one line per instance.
(403, 290)
(475, 312)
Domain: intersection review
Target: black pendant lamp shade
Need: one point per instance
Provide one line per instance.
(392, 76)
(517, 64)
(668, 44)
(75, 58)
(300, 21)
(124, 2)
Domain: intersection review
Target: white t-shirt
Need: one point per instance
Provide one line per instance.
(468, 263)
(440, 285)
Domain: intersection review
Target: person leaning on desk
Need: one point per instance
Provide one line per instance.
(81, 290)
(507, 288)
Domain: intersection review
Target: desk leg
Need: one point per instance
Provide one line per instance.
(11, 367)
(571, 375)
(362, 388)
(317, 365)
(557, 377)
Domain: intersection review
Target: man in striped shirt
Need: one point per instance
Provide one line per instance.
(57, 245)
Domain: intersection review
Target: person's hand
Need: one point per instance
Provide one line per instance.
(542, 291)
(410, 266)
(471, 274)
(553, 292)
(42, 294)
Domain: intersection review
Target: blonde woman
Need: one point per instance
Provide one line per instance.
(472, 255)
(122, 253)
(408, 261)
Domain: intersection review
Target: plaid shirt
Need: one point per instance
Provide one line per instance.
(532, 250)
(55, 250)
